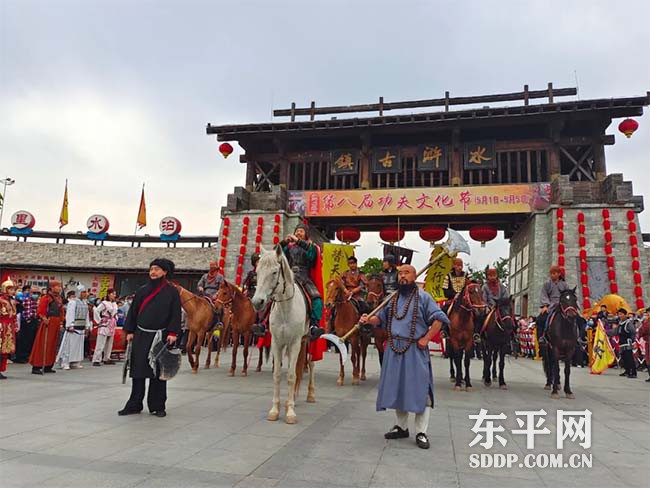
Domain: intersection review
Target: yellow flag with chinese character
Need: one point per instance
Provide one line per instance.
(437, 272)
(142, 212)
(335, 261)
(603, 355)
(63, 217)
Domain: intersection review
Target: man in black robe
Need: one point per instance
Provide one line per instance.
(156, 306)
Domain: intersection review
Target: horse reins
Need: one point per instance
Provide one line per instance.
(284, 286)
(467, 299)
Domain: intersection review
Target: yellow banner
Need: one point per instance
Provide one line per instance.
(335, 262)
(450, 200)
(436, 274)
(603, 356)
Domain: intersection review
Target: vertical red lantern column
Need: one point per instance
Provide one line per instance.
(584, 278)
(258, 237)
(276, 230)
(224, 244)
(242, 251)
(636, 265)
(560, 239)
(611, 273)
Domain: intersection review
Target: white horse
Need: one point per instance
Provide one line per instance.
(289, 325)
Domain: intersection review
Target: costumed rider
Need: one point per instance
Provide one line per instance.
(77, 325)
(209, 285)
(250, 285)
(412, 318)
(493, 292)
(549, 297)
(355, 282)
(155, 312)
(389, 274)
(302, 253)
(453, 284)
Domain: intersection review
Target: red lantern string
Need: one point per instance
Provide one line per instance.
(584, 278)
(242, 250)
(224, 245)
(560, 261)
(276, 230)
(613, 287)
(560, 238)
(258, 237)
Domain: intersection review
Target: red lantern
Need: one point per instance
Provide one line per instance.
(240, 270)
(633, 240)
(628, 127)
(226, 221)
(238, 280)
(583, 266)
(242, 250)
(586, 303)
(608, 249)
(225, 149)
(630, 215)
(638, 291)
(224, 242)
(608, 236)
(276, 240)
(635, 252)
(432, 234)
(635, 265)
(583, 254)
(260, 221)
(613, 287)
(483, 233)
(391, 234)
(640, 303)
(247, 220)
(581, 217)
(632, 226)
(560, 261)
(611, 275)
(585, 291)
(348, 234)
(277, 218)
(582, 242)
(222, 263)
(584, 279)
(244, 240)
(610, 262)
(223, 252)
(607, 224)
(560, 236)
(581, 229)
(240, 259)
(560, 224)
(605, 213)
(258, 239)
(276, 229)
(637, 278)
(560, 249)
(560, 213)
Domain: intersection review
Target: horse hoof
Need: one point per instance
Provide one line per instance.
(355, 381)
(554, 396)
(244, 373)
(339, 382)
(292, 420)
(363, 377)
(452, 379)
(468, 388)
(258, 370)
(547, 387)
(194, 370)
(494, 377)
(457, 388)
(207, 366)
(273, 416)
(231, 372)
(570, 396)
(503, 387)
(311, 399)
(487, 383)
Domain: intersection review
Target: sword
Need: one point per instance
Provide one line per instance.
(455, 243)
(127, 362)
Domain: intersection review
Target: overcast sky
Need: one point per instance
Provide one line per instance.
(111, 94)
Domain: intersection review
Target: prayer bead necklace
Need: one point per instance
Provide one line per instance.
(393, 312)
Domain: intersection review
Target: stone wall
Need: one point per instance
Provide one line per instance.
(114, 258)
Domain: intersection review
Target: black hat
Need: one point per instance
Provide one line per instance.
(389, 258)
(165, 264)
(255, 258)
(302, 226)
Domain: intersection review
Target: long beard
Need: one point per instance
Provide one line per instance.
(406, 288)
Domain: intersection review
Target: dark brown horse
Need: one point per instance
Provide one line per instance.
(499, 328)
(466, 307)
(562, 338)
(346, 318)
(375, 296)
(239, 316)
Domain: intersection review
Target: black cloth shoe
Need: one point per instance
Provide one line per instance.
(124, 411)
(37, 371)
(623, 374)
(159, 413)
(96, 363)
(647, 380)
(49, 369)
(258, 330)
(2, 377)
(422, 440)
(396, 433)
(315, 332)
(631, 375)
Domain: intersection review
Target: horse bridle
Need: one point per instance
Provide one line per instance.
(467, 298)
(284, 286)
(500, 318)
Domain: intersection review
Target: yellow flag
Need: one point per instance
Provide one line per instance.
(436, 274)
(142, 212)
(335, 261)
(603, 356)
(63, 217)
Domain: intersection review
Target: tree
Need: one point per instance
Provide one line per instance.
(501, 265)
(372, 266)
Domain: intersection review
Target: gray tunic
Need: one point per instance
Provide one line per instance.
(407, 379)
(551, 291)
(492, 298)
(210, 288)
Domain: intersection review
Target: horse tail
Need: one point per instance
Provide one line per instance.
(300, 364)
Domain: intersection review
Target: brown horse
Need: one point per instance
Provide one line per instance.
(466, 307)
(375, 296)
(200, 322)
(346, 318)
(562, 338)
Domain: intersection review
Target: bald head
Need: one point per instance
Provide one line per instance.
(406, 274)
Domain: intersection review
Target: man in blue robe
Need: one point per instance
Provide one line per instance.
(406, 384)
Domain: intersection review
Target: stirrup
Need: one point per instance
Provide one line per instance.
(477, 338)
(315, 332)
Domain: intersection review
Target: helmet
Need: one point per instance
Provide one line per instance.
(390, 259)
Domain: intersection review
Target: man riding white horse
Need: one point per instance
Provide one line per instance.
(302, 255)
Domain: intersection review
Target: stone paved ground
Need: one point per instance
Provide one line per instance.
(62, 431)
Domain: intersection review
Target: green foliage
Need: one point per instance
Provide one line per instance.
(501, 266)
(372, 266)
